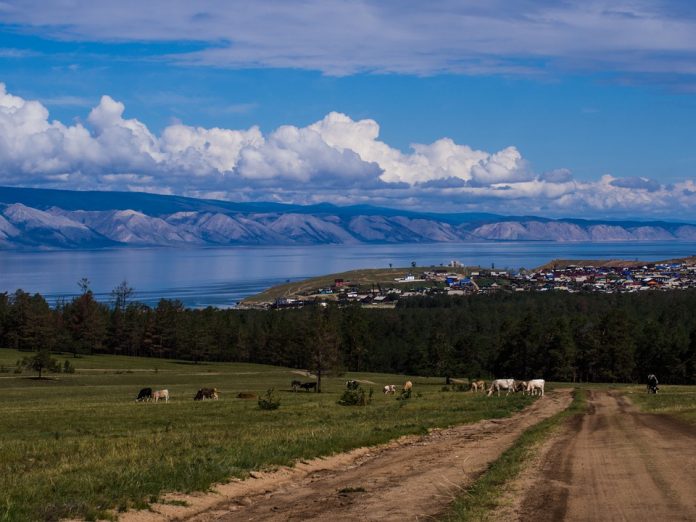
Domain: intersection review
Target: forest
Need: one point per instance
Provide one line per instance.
(556, 335)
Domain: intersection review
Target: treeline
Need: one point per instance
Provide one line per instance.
(557, 336)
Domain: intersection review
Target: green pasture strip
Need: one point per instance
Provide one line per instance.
(79, 446)
(674, 400)
(483, 496)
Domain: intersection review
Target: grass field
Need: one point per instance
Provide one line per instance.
(77, 445)
(679, 401)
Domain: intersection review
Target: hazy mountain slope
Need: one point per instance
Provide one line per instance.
(33, 227)
(105, 219)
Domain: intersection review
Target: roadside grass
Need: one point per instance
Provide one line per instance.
(483, 496)
(677, 401)
(79, 446)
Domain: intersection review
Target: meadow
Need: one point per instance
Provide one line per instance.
(77, 445)
(677, 401)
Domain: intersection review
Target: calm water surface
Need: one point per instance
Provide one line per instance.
(224, 276)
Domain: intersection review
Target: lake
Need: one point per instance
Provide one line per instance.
(223, 276)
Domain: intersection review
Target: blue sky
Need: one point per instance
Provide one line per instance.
(554, 108)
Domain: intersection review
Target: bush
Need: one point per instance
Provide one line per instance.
(270, 401)
(405, 395)
(68, 368)
(356, 397)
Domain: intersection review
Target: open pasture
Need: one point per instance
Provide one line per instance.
(78, 444)
(678, 401)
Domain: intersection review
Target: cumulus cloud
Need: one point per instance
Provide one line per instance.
(639, 183)
(335, 159)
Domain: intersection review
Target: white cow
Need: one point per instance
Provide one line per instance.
(160, 394)
(536, 386)
(501, 384)
(390, 389)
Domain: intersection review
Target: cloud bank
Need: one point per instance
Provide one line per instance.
(642, 40)
(336, 159)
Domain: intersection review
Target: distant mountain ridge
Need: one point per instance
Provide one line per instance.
(44, 218)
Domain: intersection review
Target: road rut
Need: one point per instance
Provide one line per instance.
(614, 463)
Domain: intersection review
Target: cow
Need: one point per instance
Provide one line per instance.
(501, 384)
(521, 386)
(407, 387)
(144, 395)
(652, 383)
(536, 386)
(161, 394)
(295, 384)
(478, 385)
(352, 385)
(390, 389)
(206, 393)
(309, 386)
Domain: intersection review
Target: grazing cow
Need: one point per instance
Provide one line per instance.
(501, 384)
(352, 385)
(652, 383)
(536, 387)
(206, 393)
(309, 386)
(390, 389)
(161, 394)
(144, 395)
(407, 387)
(478, 385)
(295, 384)
(521, 386)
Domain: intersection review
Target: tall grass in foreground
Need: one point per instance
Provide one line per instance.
(483, 496)
(78, 446)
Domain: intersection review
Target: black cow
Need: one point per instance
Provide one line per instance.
(144, 395)
(295, 384)
(652, 383)
(309, 386)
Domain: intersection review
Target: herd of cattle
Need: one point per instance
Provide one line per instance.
(147, 395)
(533, 387)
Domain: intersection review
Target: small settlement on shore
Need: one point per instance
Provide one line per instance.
(455, 279)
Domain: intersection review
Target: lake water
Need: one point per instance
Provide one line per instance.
(224, 276)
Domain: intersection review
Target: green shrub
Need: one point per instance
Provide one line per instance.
(405, 395)
(356, 397)
(68, 368)
(270, 401)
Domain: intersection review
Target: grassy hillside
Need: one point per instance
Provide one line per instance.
(363, 277)
(78, 445)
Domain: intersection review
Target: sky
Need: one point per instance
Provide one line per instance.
(560, 109)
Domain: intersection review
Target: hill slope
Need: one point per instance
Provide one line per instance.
(42, 218)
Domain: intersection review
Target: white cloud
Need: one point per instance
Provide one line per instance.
(626, 37)
(336, 159)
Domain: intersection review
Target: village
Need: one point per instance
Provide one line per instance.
(456, 279)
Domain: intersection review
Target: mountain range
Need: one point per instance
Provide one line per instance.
(44, 218)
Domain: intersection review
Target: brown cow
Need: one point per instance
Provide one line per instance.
(206, 393)
(478, 385)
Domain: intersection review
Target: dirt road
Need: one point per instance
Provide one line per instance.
(613, 463)
(409, 479)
